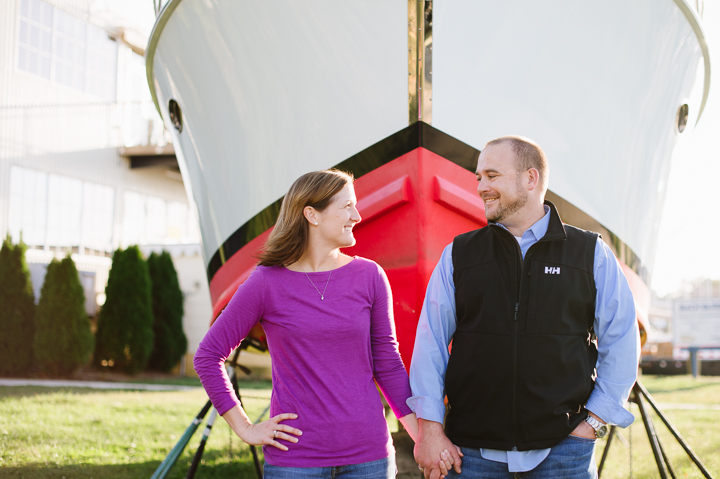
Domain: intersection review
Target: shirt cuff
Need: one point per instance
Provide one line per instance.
(609, 410)
(401, 411)
(427, 408)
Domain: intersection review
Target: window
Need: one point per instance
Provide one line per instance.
(101, 64)
(177, 221)
(64, 211)
(59, 211)
(28, 206)
(156, 228)
(35, 42)
(152, 220)
(67, 50)
(97, 218)
(69, 54)
(133, 218)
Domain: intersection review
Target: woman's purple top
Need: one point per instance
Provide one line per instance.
(325, 355)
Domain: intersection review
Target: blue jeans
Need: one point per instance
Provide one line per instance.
(573, 458)
(381, 469)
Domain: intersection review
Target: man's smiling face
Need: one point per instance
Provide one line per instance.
(500, 183)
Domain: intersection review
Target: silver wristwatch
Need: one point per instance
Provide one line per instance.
(600, 429)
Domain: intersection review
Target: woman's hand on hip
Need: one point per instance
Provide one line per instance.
(268, 432)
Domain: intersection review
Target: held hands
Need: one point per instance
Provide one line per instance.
(267, 432)
(434, 452)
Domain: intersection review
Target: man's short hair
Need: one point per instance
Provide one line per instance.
(528, 155)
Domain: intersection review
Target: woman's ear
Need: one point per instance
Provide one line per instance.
(311, 215)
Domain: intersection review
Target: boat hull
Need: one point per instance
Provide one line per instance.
(269, 91)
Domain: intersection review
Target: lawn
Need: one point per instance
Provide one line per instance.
(693, 407)
(83, 433)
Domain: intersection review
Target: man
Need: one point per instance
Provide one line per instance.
(522, 299)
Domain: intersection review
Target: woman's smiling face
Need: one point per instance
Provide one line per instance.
(336, 222)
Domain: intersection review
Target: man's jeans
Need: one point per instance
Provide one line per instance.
(382, 469)
(573, 458)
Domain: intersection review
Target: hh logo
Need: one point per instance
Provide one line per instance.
(551, 270)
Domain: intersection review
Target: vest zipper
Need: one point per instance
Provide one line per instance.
(516, 338)
(515, 345)
(516, 332)
(514, 373)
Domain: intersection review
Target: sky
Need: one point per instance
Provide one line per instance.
(689, 238)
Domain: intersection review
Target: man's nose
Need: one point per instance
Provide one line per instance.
(482, 186)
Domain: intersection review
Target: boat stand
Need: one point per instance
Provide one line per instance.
(167, 464)
(665, 468)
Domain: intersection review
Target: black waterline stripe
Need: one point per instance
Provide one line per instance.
(417, 135)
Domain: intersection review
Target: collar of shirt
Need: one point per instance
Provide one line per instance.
(533, 234)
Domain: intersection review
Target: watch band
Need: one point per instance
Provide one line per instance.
(599, 428)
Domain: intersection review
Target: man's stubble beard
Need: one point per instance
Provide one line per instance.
(504, 211)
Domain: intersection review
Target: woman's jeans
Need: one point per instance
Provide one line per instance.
(382, 469)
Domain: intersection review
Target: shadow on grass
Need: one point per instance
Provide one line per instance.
(212, 467)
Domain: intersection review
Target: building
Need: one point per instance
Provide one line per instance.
(85, 164)
(686, 319)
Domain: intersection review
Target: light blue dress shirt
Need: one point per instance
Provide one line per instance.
(615, 327)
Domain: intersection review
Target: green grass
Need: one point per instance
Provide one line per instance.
(83, 433)
(697, 426)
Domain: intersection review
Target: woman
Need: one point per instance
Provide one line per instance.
(329, 324)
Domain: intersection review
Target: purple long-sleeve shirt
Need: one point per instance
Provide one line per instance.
(325, 355)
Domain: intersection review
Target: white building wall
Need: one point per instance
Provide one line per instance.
(67, 137)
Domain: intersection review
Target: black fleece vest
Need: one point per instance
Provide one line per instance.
(522, 363)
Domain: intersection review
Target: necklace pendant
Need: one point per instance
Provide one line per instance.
(322, 298)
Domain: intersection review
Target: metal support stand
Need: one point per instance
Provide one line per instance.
(233, 380)
(652, 436)
(665, 467)
(611, 434)
(201, 447)
(164, 468)
(167, 464)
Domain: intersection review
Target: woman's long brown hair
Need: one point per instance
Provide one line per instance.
(288, 240)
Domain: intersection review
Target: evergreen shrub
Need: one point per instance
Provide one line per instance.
(63, 339)
(167, 299)
(125, 325)
(17, 309)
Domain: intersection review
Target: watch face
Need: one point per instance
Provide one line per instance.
(601, 431)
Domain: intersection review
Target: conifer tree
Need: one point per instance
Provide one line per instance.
(170, 341)
(63, 340)
(125, 335)
(17, 309)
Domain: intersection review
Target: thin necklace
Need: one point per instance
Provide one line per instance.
(322, 295)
